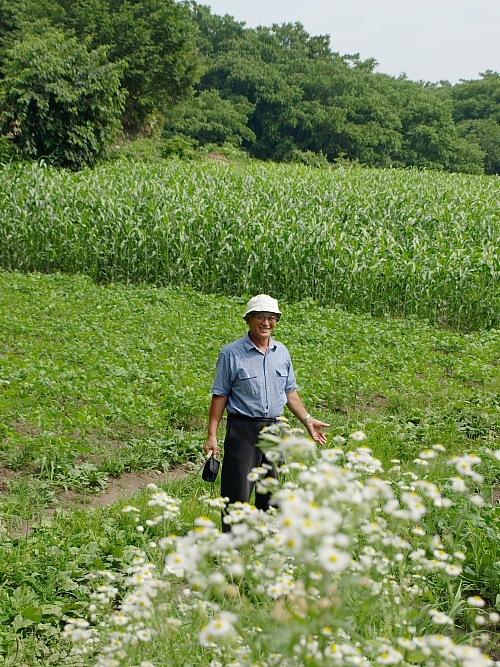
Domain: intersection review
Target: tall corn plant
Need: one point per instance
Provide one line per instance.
(380, 241)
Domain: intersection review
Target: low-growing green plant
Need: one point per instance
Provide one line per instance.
(179, 146)
(141, 149)
(65, 550)
(310, 158)
(96, 381)
(99, 380)
(225, 150)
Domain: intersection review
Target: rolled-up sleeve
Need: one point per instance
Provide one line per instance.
(222, 382)
(291, 382)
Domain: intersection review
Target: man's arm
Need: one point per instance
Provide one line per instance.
(314, 426)
(217, 407)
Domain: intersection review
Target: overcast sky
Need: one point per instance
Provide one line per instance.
(427, 39)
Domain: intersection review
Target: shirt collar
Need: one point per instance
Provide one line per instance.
(249, 344)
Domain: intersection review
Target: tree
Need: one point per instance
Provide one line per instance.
(429, 135)
(59, 99)
(8, 26)
(476, 110)
(258, 67)
(208, 118)
(477, 99)
(154, 40)
(486, 134)
(278, 91)
(305, 97)
(355, 116)
(215, 34)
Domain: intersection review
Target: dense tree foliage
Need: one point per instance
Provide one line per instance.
(476, 110)
(59, 99)
(306, 97)
(277, 91)
(154, 41)
(209, 118)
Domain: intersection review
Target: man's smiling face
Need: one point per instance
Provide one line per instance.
(261, 325)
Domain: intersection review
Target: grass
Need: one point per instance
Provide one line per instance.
(99, 380)
(96, 380)
(380, 241)
(45, 577)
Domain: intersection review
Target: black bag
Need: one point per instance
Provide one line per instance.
(210, 469)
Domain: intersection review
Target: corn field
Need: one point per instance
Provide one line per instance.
(381, 241)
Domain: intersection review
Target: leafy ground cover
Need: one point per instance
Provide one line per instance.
(379, 241)
(97, 380)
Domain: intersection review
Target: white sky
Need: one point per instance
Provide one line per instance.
(428, 39)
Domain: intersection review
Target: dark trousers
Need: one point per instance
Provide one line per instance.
(241, 455)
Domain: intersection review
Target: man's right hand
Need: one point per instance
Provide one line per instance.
(211, 446)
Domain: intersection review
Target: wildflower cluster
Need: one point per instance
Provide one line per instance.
(340, 571)
(125, 625)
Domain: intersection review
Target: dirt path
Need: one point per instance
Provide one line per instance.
(130, 482)
(118, 488)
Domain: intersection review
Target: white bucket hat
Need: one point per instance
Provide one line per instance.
(262, 303)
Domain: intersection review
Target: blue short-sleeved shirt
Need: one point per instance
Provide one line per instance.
(255, 383)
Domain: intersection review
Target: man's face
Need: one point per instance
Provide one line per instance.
(261, 325)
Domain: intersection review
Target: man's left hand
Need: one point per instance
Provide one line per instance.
(316, 428)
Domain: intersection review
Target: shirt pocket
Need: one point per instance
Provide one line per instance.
(247, 382)
(281, 378)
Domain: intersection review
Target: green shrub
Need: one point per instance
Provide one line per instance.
(180, 146)
(209, 118)
(142, 149)
(60, 100)
(226, 150)
(7, 150)
(310, 158)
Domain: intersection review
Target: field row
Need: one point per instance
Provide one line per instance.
(378, 241)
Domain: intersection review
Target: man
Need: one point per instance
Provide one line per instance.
(254, 381)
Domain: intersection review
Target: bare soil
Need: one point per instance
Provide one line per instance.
(118, 488)
(218, 157)
(130, 482)
(26, 428)
(374, 404)
(7, 475)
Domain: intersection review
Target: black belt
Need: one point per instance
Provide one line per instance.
(245, 418)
